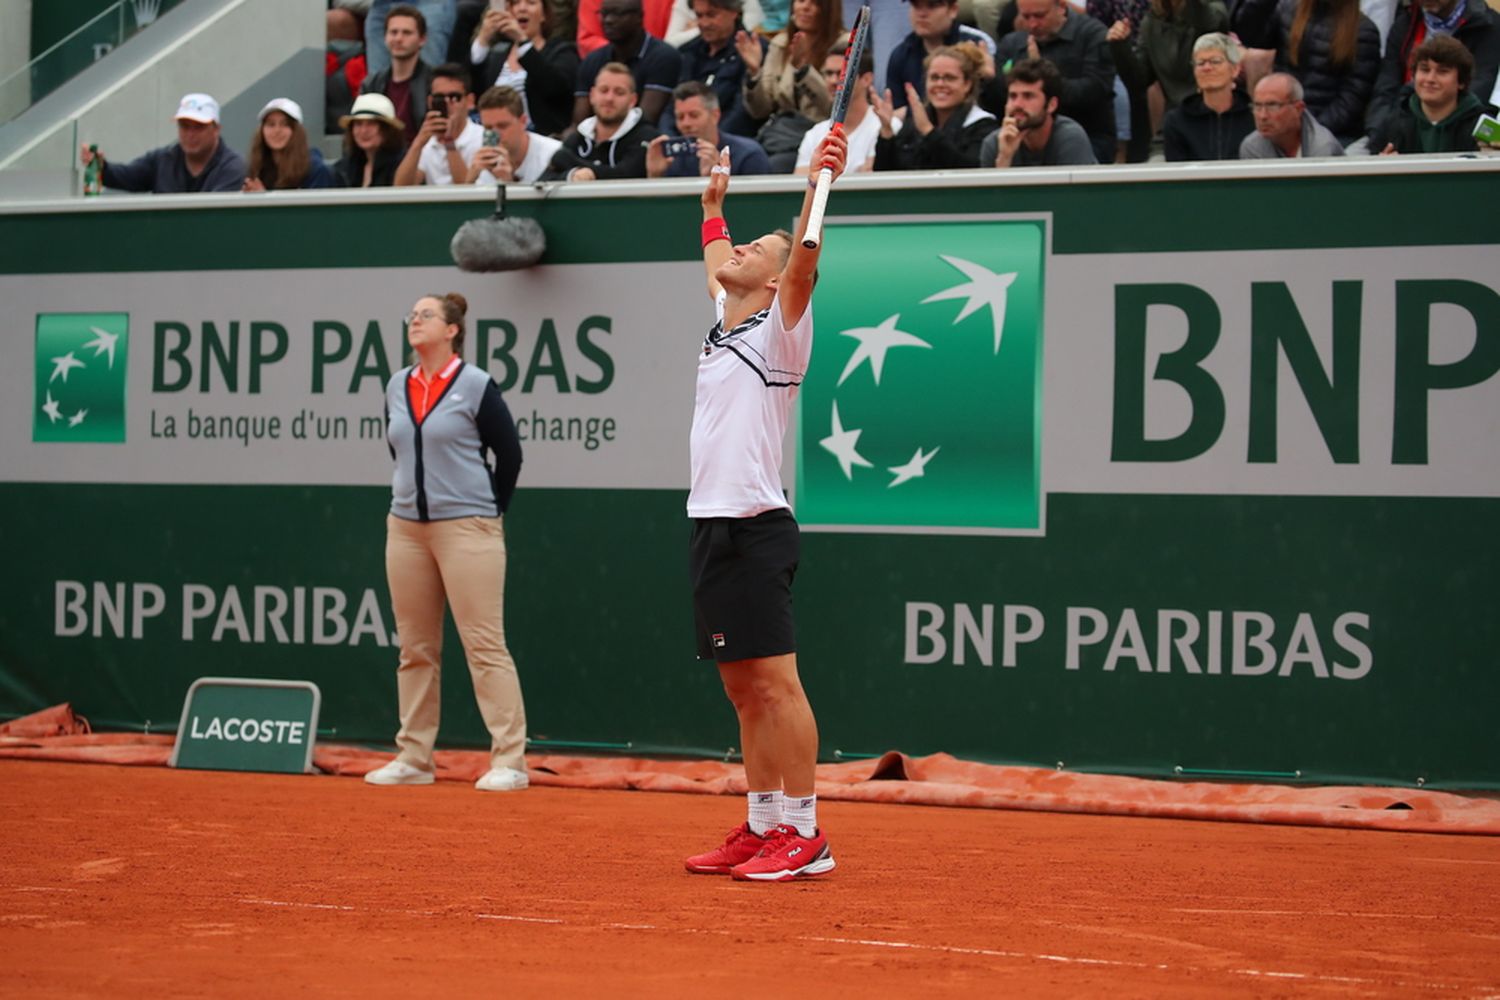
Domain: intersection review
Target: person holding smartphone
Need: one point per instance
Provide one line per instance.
(518, 46)
(447, 139)
(695, 152)
(510, 151)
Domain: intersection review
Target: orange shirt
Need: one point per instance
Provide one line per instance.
(422, 393)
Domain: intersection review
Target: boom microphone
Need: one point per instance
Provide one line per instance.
(498, 243)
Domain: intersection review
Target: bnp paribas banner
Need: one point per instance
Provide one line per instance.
(277, 376)
(1226, 509)
(955, 384)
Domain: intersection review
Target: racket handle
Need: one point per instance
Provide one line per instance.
(813, 235)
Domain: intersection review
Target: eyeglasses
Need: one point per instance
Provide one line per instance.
(420, 314)
(450, 98)
(1269, 107)
(1210, 62)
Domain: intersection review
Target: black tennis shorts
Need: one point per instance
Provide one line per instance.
(742, 570)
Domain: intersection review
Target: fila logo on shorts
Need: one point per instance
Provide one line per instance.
(718, 640)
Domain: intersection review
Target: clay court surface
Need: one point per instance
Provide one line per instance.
(149, 882)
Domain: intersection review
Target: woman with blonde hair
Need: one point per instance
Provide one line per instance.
(457, 458)
(280, 156)
(946, 131)
(1328, 45)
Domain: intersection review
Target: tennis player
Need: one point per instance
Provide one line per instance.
(745, 541)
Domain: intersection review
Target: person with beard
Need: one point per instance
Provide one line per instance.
(1211, 124)
(1078, 46)
(655, 66)
(1033, 134)
(612, 143)
(947, 130)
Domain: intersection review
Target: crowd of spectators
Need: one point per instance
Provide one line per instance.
(500, 91)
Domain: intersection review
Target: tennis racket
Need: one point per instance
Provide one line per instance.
(859, 38)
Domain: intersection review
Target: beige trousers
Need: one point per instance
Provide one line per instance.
(461, 561)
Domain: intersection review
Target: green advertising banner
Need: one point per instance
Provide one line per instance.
(922, 412)
(1086, 481)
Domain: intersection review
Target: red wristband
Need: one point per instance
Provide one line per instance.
(715, 229)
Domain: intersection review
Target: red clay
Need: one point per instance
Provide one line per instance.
(130, 881)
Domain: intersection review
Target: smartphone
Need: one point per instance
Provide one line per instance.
(491, 137)
(680, 146)
(436, 103)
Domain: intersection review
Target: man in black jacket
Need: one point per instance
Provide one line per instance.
(1077, 45)
(408, 80)
(712, 58)
(1469, 21)
(613, 142)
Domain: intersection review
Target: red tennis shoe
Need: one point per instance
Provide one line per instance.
(785, 856)
(741, 845)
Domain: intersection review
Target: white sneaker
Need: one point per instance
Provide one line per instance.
(399, 773)
(502, 779)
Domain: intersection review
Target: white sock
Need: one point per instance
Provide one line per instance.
(765, 811)
(802, 813)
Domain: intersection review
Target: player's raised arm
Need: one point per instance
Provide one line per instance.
(717, 249)
(797, 279)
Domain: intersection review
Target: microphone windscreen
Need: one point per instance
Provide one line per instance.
(508, 244)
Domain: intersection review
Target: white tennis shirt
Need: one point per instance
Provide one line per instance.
(748, 378)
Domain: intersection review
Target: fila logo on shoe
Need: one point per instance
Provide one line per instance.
(794, 852)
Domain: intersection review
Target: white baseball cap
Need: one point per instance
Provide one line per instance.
(285, 105)
(198, 108)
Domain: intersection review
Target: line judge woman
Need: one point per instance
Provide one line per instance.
(445, 422)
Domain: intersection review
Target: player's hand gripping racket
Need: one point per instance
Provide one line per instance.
(859, 37)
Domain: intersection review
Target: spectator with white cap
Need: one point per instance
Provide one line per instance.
(280, 156)
(372, 143)
(197, 161)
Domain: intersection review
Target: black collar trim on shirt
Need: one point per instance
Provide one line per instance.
(718, 338)
(753, 359)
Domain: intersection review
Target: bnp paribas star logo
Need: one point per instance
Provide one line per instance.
(80, 377)
(921, 410)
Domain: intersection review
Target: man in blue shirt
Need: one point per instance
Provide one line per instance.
(655, 65)
(697, 109)
(197, 161)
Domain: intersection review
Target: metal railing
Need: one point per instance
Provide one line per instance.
(76, 52)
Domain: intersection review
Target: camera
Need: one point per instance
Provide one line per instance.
(682, 145)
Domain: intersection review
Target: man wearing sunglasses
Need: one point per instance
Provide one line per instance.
(448, 138)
